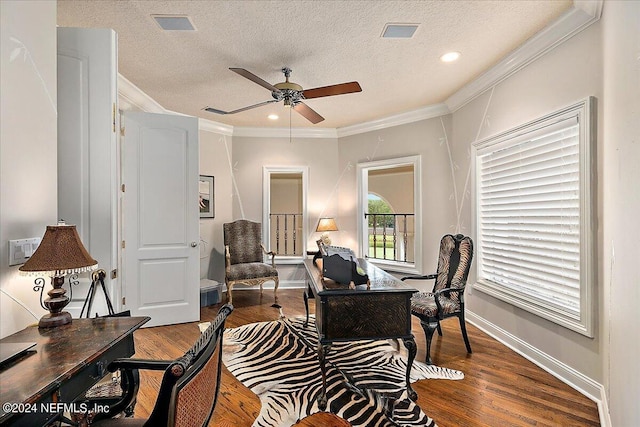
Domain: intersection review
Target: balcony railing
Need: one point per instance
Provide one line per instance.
(286, 233)
(390, 236)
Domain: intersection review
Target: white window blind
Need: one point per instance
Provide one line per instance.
(530, 214)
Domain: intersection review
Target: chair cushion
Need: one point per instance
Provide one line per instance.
(424, 304)
(250, 270)
(243, 238)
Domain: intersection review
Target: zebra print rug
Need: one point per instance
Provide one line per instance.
(365, 380)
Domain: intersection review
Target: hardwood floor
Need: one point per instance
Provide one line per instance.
(500, 388)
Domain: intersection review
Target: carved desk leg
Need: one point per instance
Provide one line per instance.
(306, 304)
(323, 349)
(410, 344)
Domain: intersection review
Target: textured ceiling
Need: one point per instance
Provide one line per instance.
(324, 42)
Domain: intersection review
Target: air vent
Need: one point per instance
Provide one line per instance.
(174, 22)
(399, 31)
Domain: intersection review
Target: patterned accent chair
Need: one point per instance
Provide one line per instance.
(447, 298)
(244, 257)
(189, 389)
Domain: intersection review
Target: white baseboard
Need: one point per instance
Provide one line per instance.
(603, 409)
(578, 381)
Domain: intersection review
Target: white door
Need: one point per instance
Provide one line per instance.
(160, 217)
(88, 151)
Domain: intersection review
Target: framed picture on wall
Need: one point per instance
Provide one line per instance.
(206, 197)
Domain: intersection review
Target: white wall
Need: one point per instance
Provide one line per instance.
(429, 138)
(567, 74)
(215, 160)
(621, 209)
(318, 154)
(28, 146)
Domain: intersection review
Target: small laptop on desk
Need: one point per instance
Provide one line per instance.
(12, 350)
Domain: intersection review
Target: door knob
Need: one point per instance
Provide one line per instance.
(194, 244)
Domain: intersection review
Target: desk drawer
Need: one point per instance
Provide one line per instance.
(364, 316)
(91, 373)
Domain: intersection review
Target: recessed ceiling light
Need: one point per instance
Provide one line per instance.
(450, 57)
(399, 31)
(273, 117)
(174, 22)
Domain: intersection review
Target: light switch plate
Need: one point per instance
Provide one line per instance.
(21, 250)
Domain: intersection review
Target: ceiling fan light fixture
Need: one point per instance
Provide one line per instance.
(399, 31)
(450, 56)
(174, 22)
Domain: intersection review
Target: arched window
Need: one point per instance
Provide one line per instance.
(389, 218)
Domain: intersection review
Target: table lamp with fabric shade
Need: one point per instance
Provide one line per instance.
(60, 253)
(324, 226)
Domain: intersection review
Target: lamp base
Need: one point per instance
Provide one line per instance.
(52, 320)
(325, 238)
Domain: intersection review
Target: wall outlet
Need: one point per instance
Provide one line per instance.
(21, 250)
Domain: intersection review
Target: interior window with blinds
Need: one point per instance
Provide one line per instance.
(533, 210)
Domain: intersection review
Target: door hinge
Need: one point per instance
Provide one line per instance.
(122, 188)
(114, 117)
(122, 131)
(124, 300)
(123, 244)
(114, 273)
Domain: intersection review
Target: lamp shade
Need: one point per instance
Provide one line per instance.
(60, 252)
(327, 224)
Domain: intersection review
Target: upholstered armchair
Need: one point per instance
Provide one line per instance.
(447, 298)
(244, 257)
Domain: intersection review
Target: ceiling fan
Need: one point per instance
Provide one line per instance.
(292, 94)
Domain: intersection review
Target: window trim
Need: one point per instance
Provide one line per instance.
(362, 170)
(266, 208)
(585, 113)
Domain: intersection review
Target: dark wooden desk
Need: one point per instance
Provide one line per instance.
(69, 360)
(342, 314)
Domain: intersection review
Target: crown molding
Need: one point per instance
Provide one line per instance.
(591, 7)
(583, 14)
(132, 98)
(256, 132)
(424, 113)
(215, 127)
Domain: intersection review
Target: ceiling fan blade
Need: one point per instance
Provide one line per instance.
(338, 89)
(308, 113)
(249, 75)
(213, 110)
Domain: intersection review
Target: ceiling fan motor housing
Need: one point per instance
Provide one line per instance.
(288, 91)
